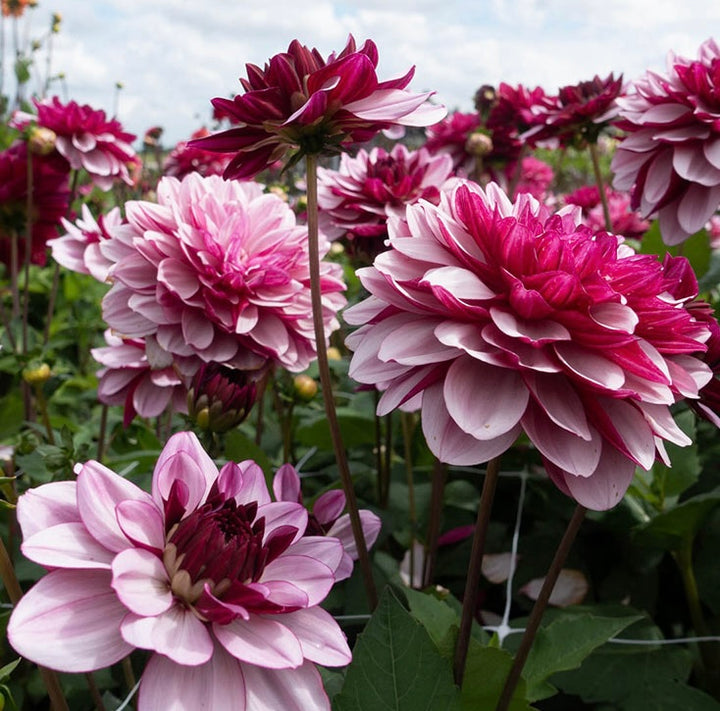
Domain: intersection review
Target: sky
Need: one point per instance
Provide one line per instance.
(173, 56)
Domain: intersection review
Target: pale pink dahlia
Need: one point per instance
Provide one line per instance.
(86, 138)
(79, 249)
(300, 100)
(670, 158)
(206, 572)
(219, 270)
(497, 317)
(356, 200)
(327, 517)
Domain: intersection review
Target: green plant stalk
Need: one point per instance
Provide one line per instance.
(28, 251)
(94, 692)
(472, 584)
(128, 673)
(408, 427)
(600, 185)
(326, 382)
(44, 415)
(709, 651)
(539, 607)
(439, 474)
(14, 591)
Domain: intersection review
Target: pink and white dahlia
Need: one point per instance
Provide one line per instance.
(670, 159)
(218, 270)
(356, 200)
(79, 249)
(86, 139)
(327, 517)
(206, 572)
(301, 100)
(624, 220)
(497, 317)
(142, 377)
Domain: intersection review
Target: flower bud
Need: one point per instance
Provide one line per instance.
(478, 144)
(305, 387)
(36, 375)
(333, 353)
(220, 398)
(41, 140)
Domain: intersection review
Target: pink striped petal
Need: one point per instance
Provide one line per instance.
(67, 545)
(142, 523)
(298, 689)
(307, 574)
(321, 640)
(286, 484)
(590, 366)
(262, 641)
(70, 621)
(327, 549)
(283, 513)
(141, 582)
(46, 506)
(254, 487)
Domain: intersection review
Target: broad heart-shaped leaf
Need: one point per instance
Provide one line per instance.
(486, 670)
(439, 620)
(669, 695)
(564, 644)
(395, 666)
(673, 529)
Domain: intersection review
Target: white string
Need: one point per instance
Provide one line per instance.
(132, 693)
(616, 640)
(504, 629)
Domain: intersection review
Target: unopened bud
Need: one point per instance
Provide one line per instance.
(334, 353)
(478, 144)
(305, 387)
(36, 375)
(41, 140)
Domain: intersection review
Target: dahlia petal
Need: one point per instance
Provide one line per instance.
(286, 484)
(321, 639)
(692, 165)
(141, 582)
(661, 420)
(448, 442)
(535, 331)
(468, 337)
(69, 621)
(414, 343)
(697, 206)
(283, 513)
(46, 506)
(329, 506)
(327, 549)
(197, 330)
(402, 389)
(254, 487)
(657, 181)
(298, 689)
(590, 366)
(663, 113)
(148, 399)
(176, 633)
(560, 402)
(396, 106)
(311, 576)
(342, 530)
(99, 491)
(614, 316)
(218, 684)
(484, 401)
(461, 283)
(633, 429)
(566, 450)
(262, 641)
(66, 545)
(711, 149)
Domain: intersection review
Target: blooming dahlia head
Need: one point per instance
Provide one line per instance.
(184, 159)
(356, 200)
(327, 517)
(497, 317)
(86, 139)
(670, 158)
(206, 572)
(450, 137)
(49, 202)
(300, 100)
(218, 270)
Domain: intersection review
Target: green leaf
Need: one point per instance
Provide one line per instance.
(239, 447)
(676, 528)
(395, 666)
(8, 669)
(564, 644)
(696, 248)
(486, 670)
(438, 618)
(669, 695)
(356, 429)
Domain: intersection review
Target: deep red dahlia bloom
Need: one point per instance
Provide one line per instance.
(301, 100)
(497, 317)
(671, 156)
(185, 159)
(578, 113)
(510, 117)
(50, 197)
(86, 139)
(356, 200)
(450, 136)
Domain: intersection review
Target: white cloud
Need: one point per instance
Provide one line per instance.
(173, 56)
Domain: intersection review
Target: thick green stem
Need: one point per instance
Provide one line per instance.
(14, 591)
(326, 381)
(472, 584)
(600, 186)
(539, 607)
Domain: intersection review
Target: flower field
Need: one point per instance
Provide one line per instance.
(353, 402)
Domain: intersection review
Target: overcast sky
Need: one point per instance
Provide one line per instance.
(173, 56)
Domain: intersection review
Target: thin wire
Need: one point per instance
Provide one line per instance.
(128, 698)
(617, 640)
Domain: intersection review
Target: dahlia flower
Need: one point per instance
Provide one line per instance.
(79, 249)
(86, 139)
(535, 178)
(219, 270)
(50, 198)
(450, 136)
(300, 100)
(509, 118)
(578, 113)
(142, 377)
(184, 159)
(624, 220)
(207, 573)
(497, 317)
(327, 517)
(670, 158)
(356, 200)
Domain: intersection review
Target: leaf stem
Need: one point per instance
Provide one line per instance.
(600, 185)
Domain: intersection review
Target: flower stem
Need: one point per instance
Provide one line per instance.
(600, 185)
(14, 591)
(408, 426)
(539, 608)
(28, 253)
(436, 504)
(326, 382)
(472, 583)
(94, 692)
